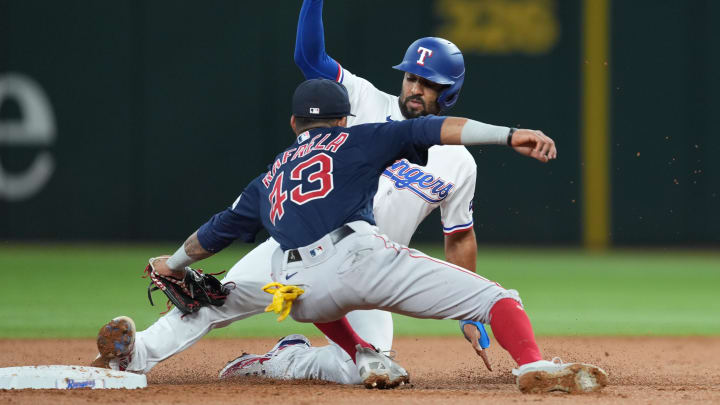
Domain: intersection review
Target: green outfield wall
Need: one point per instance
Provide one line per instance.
(137, 120)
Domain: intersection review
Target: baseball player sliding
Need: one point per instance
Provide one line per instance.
(173, 333)
(316, 202)
(407, 193)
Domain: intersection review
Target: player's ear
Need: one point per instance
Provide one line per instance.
(342, 122)
(292, 124)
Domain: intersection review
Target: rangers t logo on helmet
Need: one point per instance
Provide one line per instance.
(441, 62)
(423, 53)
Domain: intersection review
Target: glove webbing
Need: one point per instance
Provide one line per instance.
(158, 285)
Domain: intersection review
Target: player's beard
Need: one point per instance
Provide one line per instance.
(408, 113)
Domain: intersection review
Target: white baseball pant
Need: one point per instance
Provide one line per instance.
(173, 333)
(365, 270)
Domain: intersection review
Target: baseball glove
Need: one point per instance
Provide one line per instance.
(190, 294)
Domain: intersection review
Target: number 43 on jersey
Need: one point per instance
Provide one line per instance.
(317, 169)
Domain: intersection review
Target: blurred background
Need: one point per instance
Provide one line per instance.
(135, 121)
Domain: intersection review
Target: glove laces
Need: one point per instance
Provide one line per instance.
(283, 297)
(150, 272)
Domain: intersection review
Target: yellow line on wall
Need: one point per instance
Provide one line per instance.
(595, 124)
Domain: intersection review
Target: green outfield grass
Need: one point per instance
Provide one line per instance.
(71, 290)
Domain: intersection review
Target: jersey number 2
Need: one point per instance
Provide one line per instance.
(322, 175)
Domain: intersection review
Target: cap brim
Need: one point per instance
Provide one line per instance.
(324, 116)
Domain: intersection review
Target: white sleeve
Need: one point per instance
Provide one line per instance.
(456, 210)
(355, 85)
(366, 102)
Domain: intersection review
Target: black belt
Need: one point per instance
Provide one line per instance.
(335, 236)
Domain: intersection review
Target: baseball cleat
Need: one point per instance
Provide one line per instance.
(289, 340)
(253, 365)
(379, 371)
(115, 343)
(247, 365)
(546, 376)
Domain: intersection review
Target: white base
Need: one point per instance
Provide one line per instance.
(68, 377)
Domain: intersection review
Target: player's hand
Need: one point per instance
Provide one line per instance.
(159, 264)
(472, 334)
(534, 144)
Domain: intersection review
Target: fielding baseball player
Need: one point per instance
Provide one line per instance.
(316, 202)
(174, 333)
(407, 193)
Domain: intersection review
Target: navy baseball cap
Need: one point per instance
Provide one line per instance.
(321, 98)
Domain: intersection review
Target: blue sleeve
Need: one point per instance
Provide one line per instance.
(310, 54)
(240, 221)
(387, 142)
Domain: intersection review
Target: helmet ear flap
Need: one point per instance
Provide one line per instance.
(449, 101)
(449, 96)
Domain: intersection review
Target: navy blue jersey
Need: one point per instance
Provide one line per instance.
(327, 178)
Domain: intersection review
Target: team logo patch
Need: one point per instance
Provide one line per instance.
(314, 110)
(425, 185)
(303, 137)
(317, 251)
(424, 53)
(73, 384)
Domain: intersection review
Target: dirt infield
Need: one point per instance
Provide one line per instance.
(442, 370)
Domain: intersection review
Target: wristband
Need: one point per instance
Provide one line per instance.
(484, 338)
(509, 137)
(479, 133)
(179, 260)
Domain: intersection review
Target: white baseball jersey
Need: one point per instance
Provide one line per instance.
(407, 193)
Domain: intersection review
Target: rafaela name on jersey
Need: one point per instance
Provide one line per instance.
(303, 150)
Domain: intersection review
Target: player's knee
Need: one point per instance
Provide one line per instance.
(506, 294)
(513, 294)
(501, 295)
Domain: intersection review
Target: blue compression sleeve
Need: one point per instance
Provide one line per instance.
(484, 338)
(310, 55)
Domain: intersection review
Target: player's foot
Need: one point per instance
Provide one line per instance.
(379, 371)
(248, 365)
(545, 376)
(115, 342)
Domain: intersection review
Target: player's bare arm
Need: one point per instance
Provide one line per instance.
(527, 142)
(461, 250)
(174, 266)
